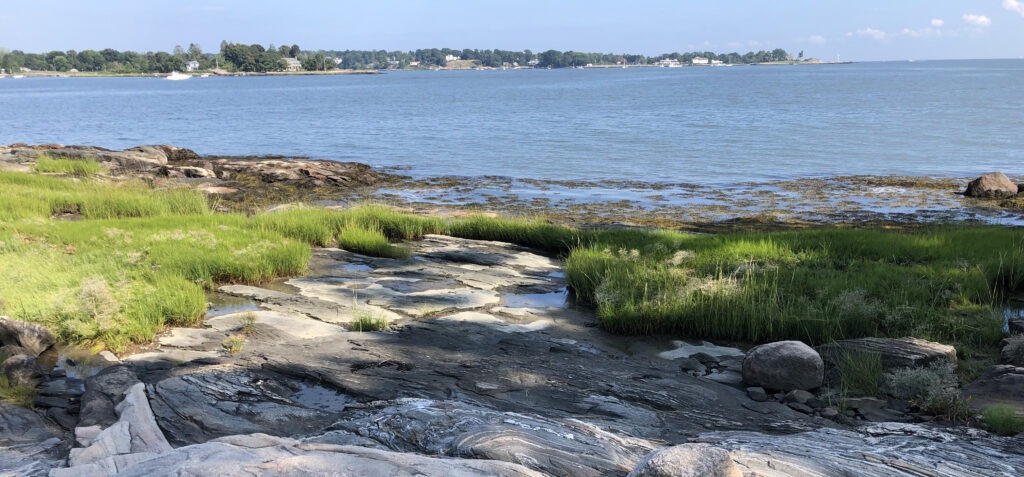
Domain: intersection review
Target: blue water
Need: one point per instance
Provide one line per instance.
(717, 125)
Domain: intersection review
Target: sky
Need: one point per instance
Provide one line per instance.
(864, 30)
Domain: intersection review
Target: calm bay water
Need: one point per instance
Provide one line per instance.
(704, 125)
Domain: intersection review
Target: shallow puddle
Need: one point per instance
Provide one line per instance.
(321, 398)
(76, 362)
(536, 300)
(221, 304)
(357, 267)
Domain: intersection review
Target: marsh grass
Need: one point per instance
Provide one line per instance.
(74, 167)
(234, 344)
(156, 251)
(1002, 419)
(247, 322)
(861, 373)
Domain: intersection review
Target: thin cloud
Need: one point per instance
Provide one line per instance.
(1014, 6)
(938, 22)
(921, 32)
(816, 39)
(977, 20)
(877, 35)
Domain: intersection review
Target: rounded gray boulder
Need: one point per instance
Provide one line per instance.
(783, 366)
(687, 460)
(994, 185)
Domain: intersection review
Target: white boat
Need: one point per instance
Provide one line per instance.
(17, 76)
(204, 75)
(175, 76)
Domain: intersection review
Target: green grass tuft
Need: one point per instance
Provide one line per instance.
(861, 373)
(1002, 419)
(74, 167)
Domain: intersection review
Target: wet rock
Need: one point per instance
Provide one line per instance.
(994, 185)
(63, 417)
(783, 365)
(30, 336)
(894, 352)
(829, 413)
(757, 394)
(1013, 351)
(687, 460)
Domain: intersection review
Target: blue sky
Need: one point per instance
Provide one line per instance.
(860, 31)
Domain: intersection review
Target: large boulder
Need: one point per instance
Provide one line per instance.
(30, 336)
(687, 460)
(1013, 351)
(894, 352)
(783, 366)
(994, 185)
(20, 370)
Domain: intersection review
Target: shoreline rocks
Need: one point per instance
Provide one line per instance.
(994, 185)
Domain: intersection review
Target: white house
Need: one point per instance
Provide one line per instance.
(192, 65)
(699, 60)
(292, 64)
(451, 58)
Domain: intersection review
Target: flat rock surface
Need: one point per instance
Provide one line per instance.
(489, 366)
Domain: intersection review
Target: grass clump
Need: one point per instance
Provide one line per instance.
(21, 394)
(861, 373)
(1002, 419)
(74, 167)
(371, 242)
(368, 322)
(247, 321)
(234, 344)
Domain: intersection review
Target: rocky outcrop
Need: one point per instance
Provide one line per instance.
(894, 352)
(687, 460)
(994, 185)
(1001, 384)
(783, 366)
(29, 445)
(885, 449)
(29, 336)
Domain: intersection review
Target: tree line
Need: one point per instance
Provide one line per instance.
(237, 57)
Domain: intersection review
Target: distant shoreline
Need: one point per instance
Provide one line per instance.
(93, 74)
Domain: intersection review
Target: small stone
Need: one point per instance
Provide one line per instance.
(815, 403)
(692, 365)
(31, 336)
(803, 408)
(757, 394)
(51, 401)
(20, 370)
(865, 403)
(109, 357)
(829, 412)
(705, 359)
(798, 396)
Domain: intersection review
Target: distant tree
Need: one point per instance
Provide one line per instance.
(90, 60)
(294, 51)
(179, 51)
(60, 63)
(779, 54)
(800, 55)
(195, 53)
